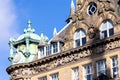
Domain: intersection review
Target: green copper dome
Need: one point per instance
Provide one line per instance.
(25, 48)
(29, 33)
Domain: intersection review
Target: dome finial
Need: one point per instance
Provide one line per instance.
(29, 23)
(29, 28)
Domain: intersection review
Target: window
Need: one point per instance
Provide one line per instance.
(55, 47)
(43, 78)
(75, 73)
(107, 29)
(80, 38)
(92, 8)
(114, 61)
(54, 77)
(48, 50)
(88, 72)
(101, 67)
(41, 52)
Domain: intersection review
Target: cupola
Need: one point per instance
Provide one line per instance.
(24, 49)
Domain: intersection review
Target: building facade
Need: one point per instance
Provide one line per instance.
(87, 48)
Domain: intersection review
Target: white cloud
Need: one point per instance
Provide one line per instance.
(8, 20)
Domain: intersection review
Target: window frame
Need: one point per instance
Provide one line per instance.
(55, 75)
(105, 28)
(79, 35)
(74, 71)
(55, 47)
(103, 70)
(48, 50)
(113, 67)
(90, 7)
(89, 72)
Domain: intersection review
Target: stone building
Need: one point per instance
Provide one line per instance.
(87, 48)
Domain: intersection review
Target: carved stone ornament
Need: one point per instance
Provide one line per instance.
(80, 4)
(91, 32)
(105, 5)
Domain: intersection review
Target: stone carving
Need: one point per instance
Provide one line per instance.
(80, 3)
(112, 45)
(66, 59)
(106, 5)
(92, 32)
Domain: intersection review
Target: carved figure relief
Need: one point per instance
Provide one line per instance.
(92, 32)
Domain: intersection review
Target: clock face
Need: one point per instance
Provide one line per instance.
(92, 8)
(17, 58)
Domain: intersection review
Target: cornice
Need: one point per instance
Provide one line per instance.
(65, 57)
(64, 53)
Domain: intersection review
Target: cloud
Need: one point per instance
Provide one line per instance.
(8, 20)
(8, 23)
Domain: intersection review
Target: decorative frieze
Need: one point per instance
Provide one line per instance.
(64, 58)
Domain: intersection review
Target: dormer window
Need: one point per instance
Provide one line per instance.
(55, 47)
(79, 38)
(48, 50)
(106, 29)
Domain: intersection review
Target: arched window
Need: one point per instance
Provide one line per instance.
(106, 29)
(79, 38)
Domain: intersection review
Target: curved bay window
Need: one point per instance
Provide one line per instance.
(106, 29)
(79, 38)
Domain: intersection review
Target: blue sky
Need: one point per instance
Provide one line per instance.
(44, 15)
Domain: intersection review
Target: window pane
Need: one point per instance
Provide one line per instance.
(107, 29)
(83, 40)
(104, 26)
(75, 73)
(54, 77)
(48, 50)
(88, 72)
(114, 67)
(89, 77)
(55, 47)
(101, 67)
(80, 38)
(77, 35)
(111, 32)
(82, 33)
(77, 43)
(104, 34)
(110, 24)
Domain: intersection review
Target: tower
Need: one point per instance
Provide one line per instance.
(24, 49)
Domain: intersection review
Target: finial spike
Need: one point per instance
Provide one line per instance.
(29, 23)
(42, 35)
(55, 31)
(72, 8)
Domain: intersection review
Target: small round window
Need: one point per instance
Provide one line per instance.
(92, 8)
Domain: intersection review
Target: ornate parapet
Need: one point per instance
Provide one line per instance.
(63, 58)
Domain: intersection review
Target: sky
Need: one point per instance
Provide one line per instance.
(14, 14)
